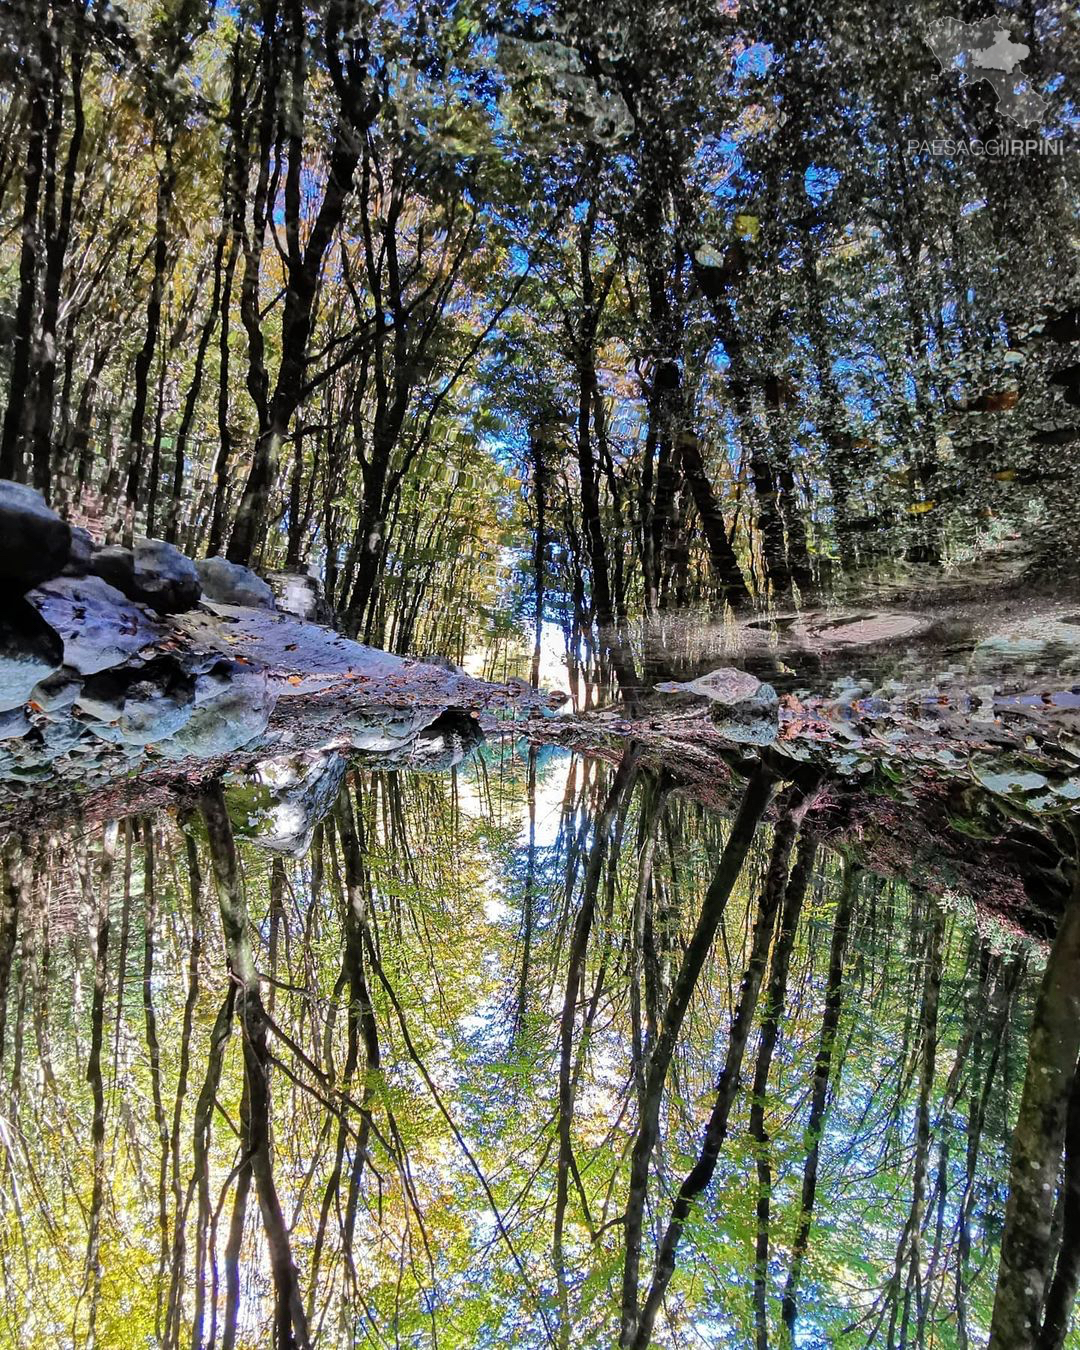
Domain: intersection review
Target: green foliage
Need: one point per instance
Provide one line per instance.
(469, 886)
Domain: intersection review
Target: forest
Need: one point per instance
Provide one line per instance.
(539, 674)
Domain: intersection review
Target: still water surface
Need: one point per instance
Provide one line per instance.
(467, 978)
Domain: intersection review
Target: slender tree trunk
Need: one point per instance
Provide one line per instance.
(830, 1021)
(698, 1178)
(909, 1256)
(642, 1038)
(304, 266)
(775, 1000)
(12, 864)
(1038, 1140)
(575, 975)
(177, 1258)
(725, 565)
(983, 1080)
(11, 436)
(234, 1242)
(539, 484)
(216, 539)
(201, 1133)
(166, 182)
(290, 1319)
(769, 521)
(741, 835)
(296, 521)
(153, 1047)
(234, 205)
(94, 1076)
(59, 233)
(1061, 1295)
(191, 401)
(528, 902)
(361, 1010)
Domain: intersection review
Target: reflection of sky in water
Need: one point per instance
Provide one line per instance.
(753, 61)
(821, 182)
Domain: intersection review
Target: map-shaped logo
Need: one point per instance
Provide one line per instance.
(985, 51)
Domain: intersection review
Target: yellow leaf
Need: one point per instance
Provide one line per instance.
(747, 227)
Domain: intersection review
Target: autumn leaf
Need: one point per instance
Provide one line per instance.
(747, 227)
(994, 401)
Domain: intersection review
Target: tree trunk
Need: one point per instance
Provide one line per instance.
(304, 267)
(741, 835)
(775, 999)
(830, 1021)
(701, 1173)
(166, 182)
(58, 233)
(575, 975)
(290, 1320)
(1038, 1140)
(725, 565)
(94, 1077)
(11, 437)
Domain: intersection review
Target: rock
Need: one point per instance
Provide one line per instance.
(154, 573)
(438, 747)
(58, 738)
(383, 730)
(34, 542)
(862, 630)
(166, 580)
(441, 663)
(152, 713)
(233, 704)
(725, 685)
(1063, 327)
(100, 628)
(1034, 642)
(13, 724)
(301, 594)
(743, 709)
(226, 583)
(101, 698)
(30, 651)
(278, 805)
(137, 707)
(56, 693)
(26, 773)
(82, 551)
(302, 658)
(115, 565)
(753, 721)
(1068, 380)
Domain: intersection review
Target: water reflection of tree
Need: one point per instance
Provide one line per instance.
(1040, 1259)
(392, 1112)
